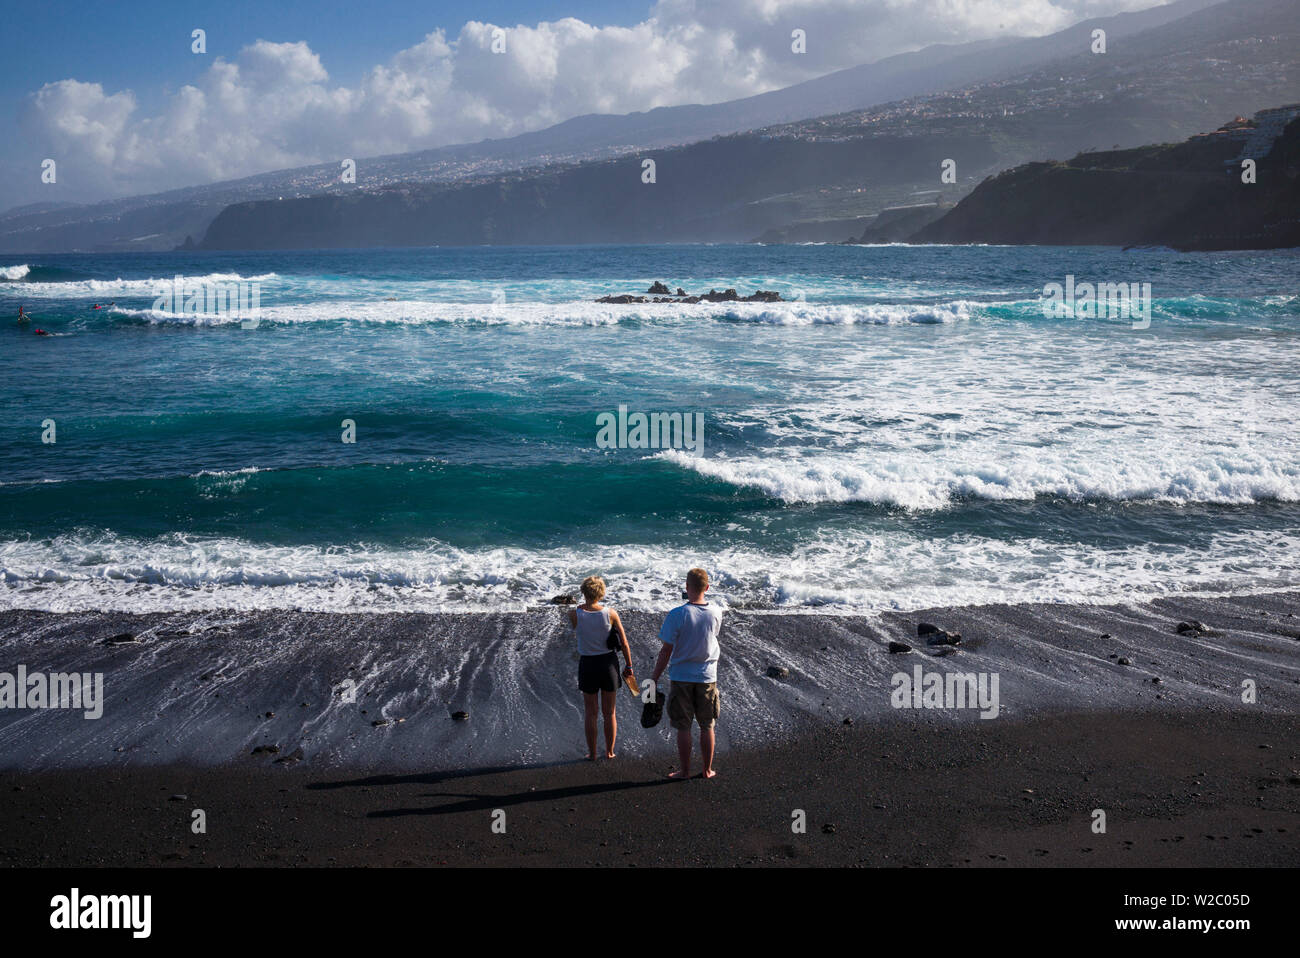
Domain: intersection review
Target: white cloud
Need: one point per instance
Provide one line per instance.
(274, 106)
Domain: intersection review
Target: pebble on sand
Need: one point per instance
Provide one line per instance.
(943, 638)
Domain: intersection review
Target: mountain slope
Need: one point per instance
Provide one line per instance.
(1162, 84)
(163, 220)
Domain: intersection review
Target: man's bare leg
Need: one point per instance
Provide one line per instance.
(607, 702)
(683, 753)
(706, 751)
(591, 707)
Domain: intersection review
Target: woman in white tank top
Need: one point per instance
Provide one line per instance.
(598, 673)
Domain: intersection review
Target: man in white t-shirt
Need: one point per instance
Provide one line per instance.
(690, 654)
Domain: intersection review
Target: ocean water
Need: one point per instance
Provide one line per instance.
(910, 431)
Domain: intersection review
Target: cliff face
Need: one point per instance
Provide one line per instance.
(1182, 196)
(731, 188)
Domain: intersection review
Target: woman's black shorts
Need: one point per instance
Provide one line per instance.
(598, 673)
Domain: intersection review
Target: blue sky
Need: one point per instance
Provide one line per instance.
(145, 45)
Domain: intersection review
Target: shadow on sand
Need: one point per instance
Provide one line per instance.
(478, 803)
(437, 778)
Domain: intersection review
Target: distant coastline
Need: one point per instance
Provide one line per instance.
(1235, 188)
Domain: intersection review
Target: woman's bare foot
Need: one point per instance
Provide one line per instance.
(708, 773)
(609, 755)
(591, 756)
(685, 773)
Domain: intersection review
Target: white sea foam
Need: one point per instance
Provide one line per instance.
(922, 482)
(850, 572)
(12, 273)
(114, 288)
(416, 312)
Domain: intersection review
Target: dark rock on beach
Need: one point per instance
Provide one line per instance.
(777, 672)
(941, 637)
(659, 289)
(266, 750)
(897, 647)
(562, 600)
(460, 716)
(122, 638)
(934, 635)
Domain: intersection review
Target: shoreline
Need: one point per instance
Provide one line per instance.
(251, 689)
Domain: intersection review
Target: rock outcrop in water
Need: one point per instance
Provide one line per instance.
(661, 294)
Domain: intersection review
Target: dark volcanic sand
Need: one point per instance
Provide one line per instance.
(1209, 789)
(200, 688)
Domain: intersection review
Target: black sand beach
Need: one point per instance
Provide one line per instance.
(246, 716)
(1213, 791)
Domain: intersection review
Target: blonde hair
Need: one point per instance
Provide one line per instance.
(593, 588)
(697, 579)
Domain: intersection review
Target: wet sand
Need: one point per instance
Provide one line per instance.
(378, 692)
(249, 717)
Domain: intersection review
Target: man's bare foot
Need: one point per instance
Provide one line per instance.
(684, 773)
(609, 755)
(708, 773)
(591, 756)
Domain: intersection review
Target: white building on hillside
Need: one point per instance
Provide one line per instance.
(1269, 125)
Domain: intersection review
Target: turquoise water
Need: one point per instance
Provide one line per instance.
(909, 431)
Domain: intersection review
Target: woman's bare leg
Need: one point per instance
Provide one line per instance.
(591, 706)
(607, 702)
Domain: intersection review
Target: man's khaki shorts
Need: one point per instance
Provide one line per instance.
(696, 701)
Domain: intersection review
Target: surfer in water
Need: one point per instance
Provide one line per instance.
(22, 317)
(598, 673)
